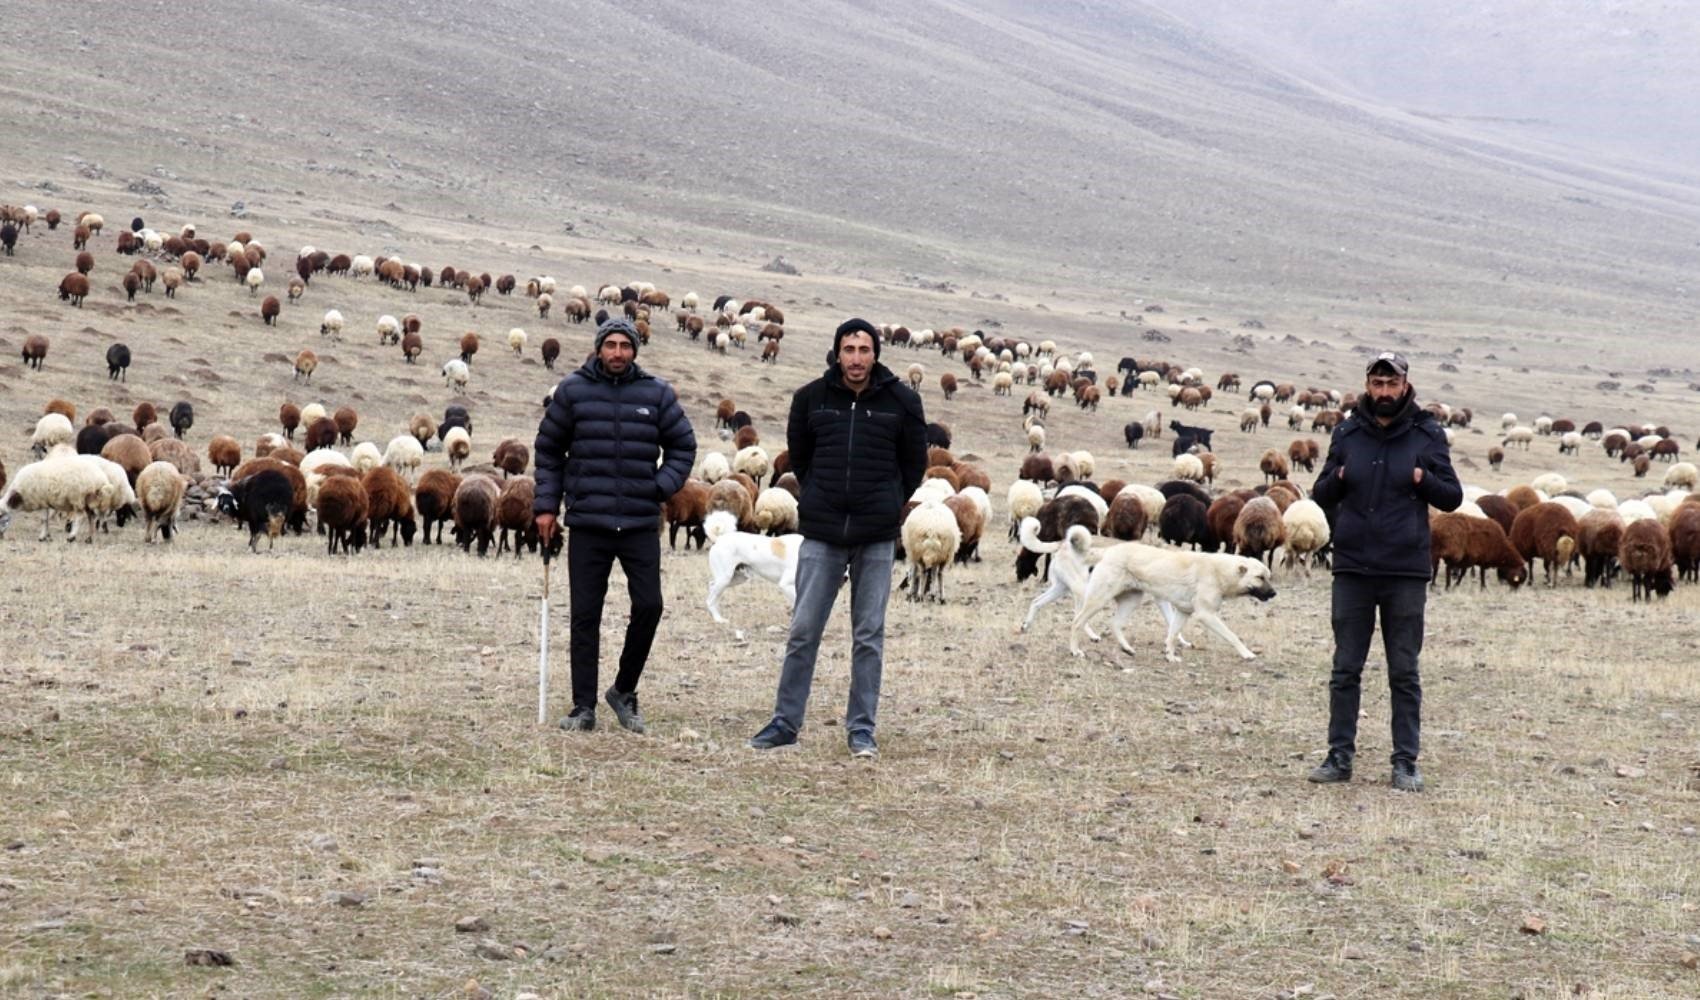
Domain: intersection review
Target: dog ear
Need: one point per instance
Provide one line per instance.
(1242, 569)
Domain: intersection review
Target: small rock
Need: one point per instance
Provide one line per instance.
(882, 933)
(910, 900)
(664, 948)
(323, 842)
(1533, 925)
(207, 957)
(473, 990)
(351, 900)
(1626, 771)
(277, 763)
(1352, 953)
(1689, 960)
(471, 925)
(493, 950)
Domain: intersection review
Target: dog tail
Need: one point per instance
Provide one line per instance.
(1079, 539)
(1030, 538)
(721, 522)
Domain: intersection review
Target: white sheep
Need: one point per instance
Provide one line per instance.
(752, 462)
(1084, 465)
(1636, 510)
(1684, 475)
(577, 291)
(52, 429)
(1188, 467)
(122, 503)
(59, 485)
(389, 330)
(713, 468)
(404, 454)
(1602, 499)
(456, 374)
(1307, 532)
(546, 286)
(1550, 483)
(1507, 421)
(159, 492)
(234, 249)
(1470, 509)
(1570, 443)
(254, 280)
(366, 456)
(980, 500)
(1151, 500)
(932, 490)
(1024, 500)
(1036, 438)
(1578, 507)
(930, 540)
(315, 460)
(1543, 425)
(1664, 505)
(516, 340)
(1474, 493)
(1648, 440)
(457, 444)
(1090, 494)
(690, 301)
(331, 325)
(1519, 437)
(1047, 348)
(312, 413)
(775, 511)
(360, 266)
(1003, 384)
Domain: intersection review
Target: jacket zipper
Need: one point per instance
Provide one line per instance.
(619, 445)
(850, 450)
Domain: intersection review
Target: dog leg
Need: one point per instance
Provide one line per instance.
(1220, 627)
(1126, 605)
(1176, 621)
(1052, 593)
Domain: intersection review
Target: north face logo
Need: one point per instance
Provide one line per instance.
(643, 411)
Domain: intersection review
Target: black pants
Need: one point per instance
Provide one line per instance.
(1357, 600)
(590, 558)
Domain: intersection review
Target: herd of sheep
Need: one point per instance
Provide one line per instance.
(94, 478)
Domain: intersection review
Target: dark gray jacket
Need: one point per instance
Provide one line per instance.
(857, 458)
(1380, 518)
(598, 446)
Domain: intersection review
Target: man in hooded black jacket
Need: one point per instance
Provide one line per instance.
(1387, 465)
(857, 438)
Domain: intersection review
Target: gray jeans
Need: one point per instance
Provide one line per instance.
(820, 571)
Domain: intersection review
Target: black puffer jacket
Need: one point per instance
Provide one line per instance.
(598, 444)
(857, 457)
(1380, 516)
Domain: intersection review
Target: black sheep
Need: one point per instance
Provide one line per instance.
(1133, 432)
(91, 439)
(1171, 487)
(454, 415)
(136, 225)
(1056, 516)
(938, 436)
(1186, 437)
(8, 237)
(1183, 522)
(264, 501)
(118, 362)
(182, 417)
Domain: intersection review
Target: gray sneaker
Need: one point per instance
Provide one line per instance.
(862, 744)
(1406, 777)
(581, 720)
(1336, 768)
(625, 706)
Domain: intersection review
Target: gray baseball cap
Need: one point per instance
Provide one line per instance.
(1391, 360)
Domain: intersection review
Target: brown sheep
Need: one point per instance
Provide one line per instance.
(225, 454)
(1259, 529)
(346, 420)
(1645, 554)
(944, 472)
(937, 456)
(35, 351)
(468, 346)
(98, 416)
(170, 449)
(1220, 517)
(947, 382)
(514, 517)
(73, 288)
(1303, 453)
(321, 433)
(788, 483)
(1546, 531)
(966, 474)
(732, 496)
(144, 414)
(342, 507)
(511, 457)
(1498, 509)
(305, 362)
(1109, 489)
(1685, 540)
(1598, 534)
(434, 500)
(1039, 469)
(80, 237)
(1522, 497)
(130, 452)
(1465, 542)
(297, 519)
(745, 437)
(687, 509)
(191, 265)
(154, 432)
(970, 523)
(1495, 457)
(389, 505)
(475, 512)
(288, 455)
(147, 272)
(289, 415)
(1126, 520)
(412, 345)
(1284, 493)
(723, 413)
(1274, 465)
(423, 428)
(269, 310)
(64, 408)
(1641, 463)
(85, 262)
(551, 350)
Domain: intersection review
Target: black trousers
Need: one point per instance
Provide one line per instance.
(1357, 601)
(590, 558)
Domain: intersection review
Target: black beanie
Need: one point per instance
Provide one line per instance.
(620, 325)
(857, 325)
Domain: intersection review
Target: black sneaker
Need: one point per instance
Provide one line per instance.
(625, 708)
(862, 744)
(1406, 777)
(1338, 767)
(777, 733)
(581, 720)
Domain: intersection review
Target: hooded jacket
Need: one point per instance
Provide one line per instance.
(856, 457)
(1380, 518)
(599, 443)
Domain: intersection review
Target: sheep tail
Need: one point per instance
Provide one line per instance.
(1030, 538)
(1566, 550)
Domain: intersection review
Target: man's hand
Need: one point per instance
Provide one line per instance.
(545, 528)
(1417, 475)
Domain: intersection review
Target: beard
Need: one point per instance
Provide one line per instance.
(1386, 407)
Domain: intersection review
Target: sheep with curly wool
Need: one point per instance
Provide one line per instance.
(51, 430)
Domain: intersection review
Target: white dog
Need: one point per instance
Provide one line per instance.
(1070, 567)
(734, 555)
(1185, 585)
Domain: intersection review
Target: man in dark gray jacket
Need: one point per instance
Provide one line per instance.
(607, 426)
(1387, 465)
(857, 438)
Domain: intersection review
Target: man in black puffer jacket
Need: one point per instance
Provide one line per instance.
(1386, 466)
(858, 444)
(606, 427)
